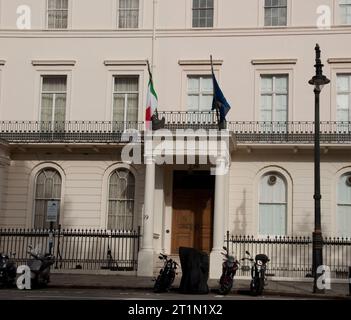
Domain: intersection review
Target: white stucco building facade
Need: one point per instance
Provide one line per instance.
(74, 77)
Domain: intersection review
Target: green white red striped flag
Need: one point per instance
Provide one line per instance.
(151, 103)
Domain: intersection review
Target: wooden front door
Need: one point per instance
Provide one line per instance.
(192, 212)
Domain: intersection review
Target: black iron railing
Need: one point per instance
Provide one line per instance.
(243, 132)
(189, 120)
(76, 249)
(70, 131)
(289, 132)
(292, 256)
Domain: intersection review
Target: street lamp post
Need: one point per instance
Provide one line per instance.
(318, 81)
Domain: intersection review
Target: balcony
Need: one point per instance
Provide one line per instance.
(243, 132)
(67, 132)
(297, 132)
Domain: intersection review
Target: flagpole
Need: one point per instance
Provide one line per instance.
(149, 69)
(217, 111)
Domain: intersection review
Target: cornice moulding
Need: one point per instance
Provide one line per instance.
(339, 60)
(273, 61)
(125, 62)
(199, 62)
(53, 62)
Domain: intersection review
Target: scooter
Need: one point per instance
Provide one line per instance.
(229, 267)
(167, 274)
(40, 267)
(258, 272)
(7, 270)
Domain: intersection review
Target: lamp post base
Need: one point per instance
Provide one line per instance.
(317, 263)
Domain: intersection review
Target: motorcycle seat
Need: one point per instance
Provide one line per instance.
(34, 265)
(262, 257)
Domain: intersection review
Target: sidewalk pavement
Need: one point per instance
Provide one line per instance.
(128, 282)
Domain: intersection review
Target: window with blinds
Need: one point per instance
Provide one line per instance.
(125, 102)
(344, 206)
(274, 102)
(57, 14)
(343, 103)
(53, 102)
(128, 14)
(272, 205)
(121, 200)
(200, 93)
(47, 188)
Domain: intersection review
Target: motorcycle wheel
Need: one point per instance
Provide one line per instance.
(226, 286)
(256, 286)
(10, 282)
(159, 285)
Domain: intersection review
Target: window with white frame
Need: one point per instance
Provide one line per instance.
(125, 101)
(344, 206)
(53, 101)
(272, 205)
(274, 102)
(121, 200)
(203, 13)
(47, 188)
(128, 14)
(200, 93)
(343, 114)
(275, 12)
(345, 11)
(57, 14)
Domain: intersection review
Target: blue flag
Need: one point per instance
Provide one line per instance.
(219, 101)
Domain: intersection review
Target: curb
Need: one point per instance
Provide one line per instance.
(298, 295)
(212, 290)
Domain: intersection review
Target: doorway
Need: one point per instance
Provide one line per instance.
(193, 208)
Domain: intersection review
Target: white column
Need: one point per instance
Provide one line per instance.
(146, 253)
(216, 258)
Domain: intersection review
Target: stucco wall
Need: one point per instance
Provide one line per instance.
(84, 191)
(92, 39)
(298, 169)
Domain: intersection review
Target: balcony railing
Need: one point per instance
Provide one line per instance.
(189, 120)
(68, 131)
(244, 132)
(301, 132)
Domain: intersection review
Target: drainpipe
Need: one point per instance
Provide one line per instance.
(154, 6)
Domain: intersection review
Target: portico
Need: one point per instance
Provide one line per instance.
(194, 209)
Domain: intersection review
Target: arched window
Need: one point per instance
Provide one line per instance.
(121, 200)
(344, 206)
(272, 205)
(47, 188)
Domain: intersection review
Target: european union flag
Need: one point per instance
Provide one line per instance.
(219, 101)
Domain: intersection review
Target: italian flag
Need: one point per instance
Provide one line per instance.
(151, 103)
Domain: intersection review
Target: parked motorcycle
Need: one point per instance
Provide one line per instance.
(229, 267)
(258, 272)
(167, 274)
(40, 267)
(7, 270)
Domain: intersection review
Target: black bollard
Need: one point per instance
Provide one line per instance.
(51, 237)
